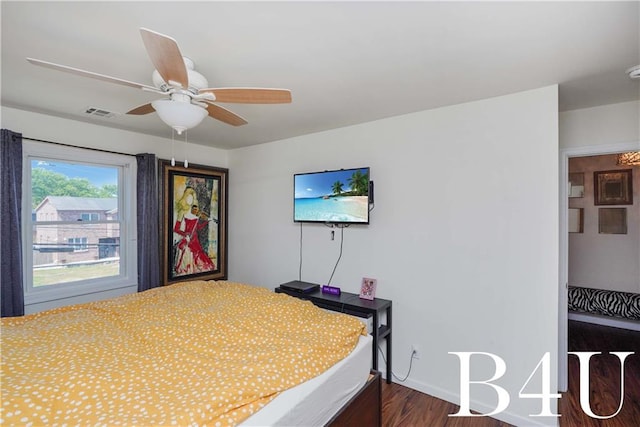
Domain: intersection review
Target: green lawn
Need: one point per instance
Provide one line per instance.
(63, 274)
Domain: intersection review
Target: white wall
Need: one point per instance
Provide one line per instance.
(82, 134)
(604, 125)
(463, 238)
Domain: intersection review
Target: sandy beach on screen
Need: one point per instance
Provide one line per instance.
(362, 203)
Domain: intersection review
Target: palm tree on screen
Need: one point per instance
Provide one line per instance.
(337, 187)
(359, 183)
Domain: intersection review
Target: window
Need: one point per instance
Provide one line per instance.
(79, 244)
(90, 216)
(79, 221)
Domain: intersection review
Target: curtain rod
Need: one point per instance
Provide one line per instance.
(77, 146)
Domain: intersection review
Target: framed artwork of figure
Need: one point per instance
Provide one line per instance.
(194, 227)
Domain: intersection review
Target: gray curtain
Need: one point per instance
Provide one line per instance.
(148, 204)
(12, 294)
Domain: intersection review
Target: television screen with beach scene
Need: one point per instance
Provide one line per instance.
(337, 196)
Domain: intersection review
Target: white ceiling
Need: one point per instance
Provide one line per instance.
(345, 62)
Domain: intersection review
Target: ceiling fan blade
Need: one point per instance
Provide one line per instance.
(166, 57)
(247, 95)
(224, 115)
(142, 109)
(92, 75)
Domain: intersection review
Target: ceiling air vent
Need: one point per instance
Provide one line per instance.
(99, 112)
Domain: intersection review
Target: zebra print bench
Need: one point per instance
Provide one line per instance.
(625, 305)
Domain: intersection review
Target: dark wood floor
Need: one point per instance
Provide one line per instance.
(604, 377)
(402, 406)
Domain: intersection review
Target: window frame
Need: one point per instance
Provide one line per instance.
(126, 219)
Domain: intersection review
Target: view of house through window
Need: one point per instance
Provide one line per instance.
(76, 227)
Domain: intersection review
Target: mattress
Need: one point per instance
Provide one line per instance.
(192, 353)
(315, 402)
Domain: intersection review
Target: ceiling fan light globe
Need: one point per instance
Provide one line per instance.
(179, 115)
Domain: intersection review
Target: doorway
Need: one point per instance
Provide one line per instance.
(563, 283)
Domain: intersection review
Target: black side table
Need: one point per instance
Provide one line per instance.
(350, 303)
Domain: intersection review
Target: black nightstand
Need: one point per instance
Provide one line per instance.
(352, 304)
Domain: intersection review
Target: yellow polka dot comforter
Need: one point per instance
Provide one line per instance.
(194, 353)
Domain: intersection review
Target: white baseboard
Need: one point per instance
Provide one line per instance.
(614, 322)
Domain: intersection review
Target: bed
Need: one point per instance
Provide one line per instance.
(195, 353)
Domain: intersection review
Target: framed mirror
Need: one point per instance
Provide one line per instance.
(613, 187)
(612, 220)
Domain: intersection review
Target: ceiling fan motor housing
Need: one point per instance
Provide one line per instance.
(196, 80)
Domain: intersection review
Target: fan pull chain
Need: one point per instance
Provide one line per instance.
(173, 159)
(186, 150)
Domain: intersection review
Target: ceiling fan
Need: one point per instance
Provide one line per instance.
(189, 99)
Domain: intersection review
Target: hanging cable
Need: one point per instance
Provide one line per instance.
(339, 256)
(300, 267)
(394, 375)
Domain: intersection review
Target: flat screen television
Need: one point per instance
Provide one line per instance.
(337, 196)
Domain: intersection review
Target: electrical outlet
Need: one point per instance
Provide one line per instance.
(415, 353)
